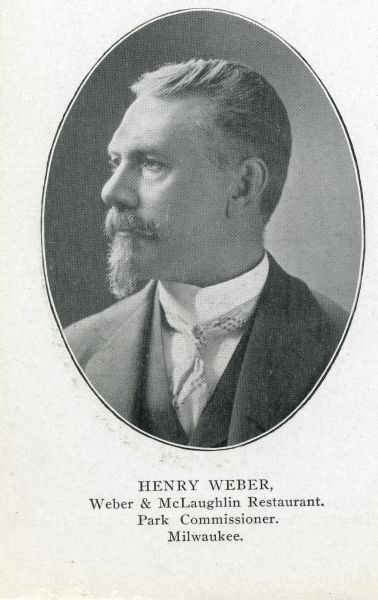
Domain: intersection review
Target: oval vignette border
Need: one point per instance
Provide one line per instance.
(362, 217)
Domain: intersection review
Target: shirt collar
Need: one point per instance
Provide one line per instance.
(196, 305)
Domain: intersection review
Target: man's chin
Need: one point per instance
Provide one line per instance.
(123, 278)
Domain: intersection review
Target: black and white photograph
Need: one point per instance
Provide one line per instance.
(188, 275)
(207, 164)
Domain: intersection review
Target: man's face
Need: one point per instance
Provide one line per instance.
(167, 194)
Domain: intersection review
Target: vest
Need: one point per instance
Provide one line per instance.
(157, 415)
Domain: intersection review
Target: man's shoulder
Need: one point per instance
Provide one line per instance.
(336, 315)
(310, 303)
(86, 336)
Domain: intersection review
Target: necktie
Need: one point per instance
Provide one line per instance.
(190, 388)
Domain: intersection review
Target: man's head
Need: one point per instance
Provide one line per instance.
(199, 162)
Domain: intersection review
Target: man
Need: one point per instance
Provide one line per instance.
(211, 343)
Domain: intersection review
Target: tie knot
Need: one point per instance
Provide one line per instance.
(228, 323)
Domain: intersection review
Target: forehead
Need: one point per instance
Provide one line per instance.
(159, 122)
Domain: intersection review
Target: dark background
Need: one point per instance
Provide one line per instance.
(316, 230)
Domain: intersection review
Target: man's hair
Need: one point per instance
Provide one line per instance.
(246, 109)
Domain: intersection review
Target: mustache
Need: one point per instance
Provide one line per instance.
(130, 222)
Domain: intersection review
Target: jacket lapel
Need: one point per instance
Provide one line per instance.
(116, 370)
(158, 415)
(213, 426)
(288, 347)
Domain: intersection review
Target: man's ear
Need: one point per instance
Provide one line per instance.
(251, 181)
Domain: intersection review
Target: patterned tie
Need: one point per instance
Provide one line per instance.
(190, 391)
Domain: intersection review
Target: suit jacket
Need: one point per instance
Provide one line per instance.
(284, 350)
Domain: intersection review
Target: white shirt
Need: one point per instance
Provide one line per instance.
(190, 305)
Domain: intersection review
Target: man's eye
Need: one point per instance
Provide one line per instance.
(151, 166)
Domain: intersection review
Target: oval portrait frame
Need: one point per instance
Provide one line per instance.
(48, 274)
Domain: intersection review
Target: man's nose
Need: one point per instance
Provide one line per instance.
(120, 189)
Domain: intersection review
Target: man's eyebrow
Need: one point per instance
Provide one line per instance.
(138, 150)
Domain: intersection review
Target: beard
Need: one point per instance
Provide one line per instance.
(121, 276)
(122, 228)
